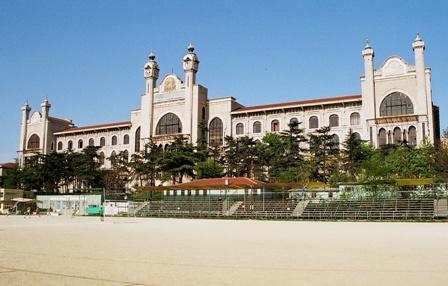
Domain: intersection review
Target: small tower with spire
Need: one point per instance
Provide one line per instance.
(45, 106)
(368, 82)
(23, 131)
(191, 67)
(424, 96)
(151, 74)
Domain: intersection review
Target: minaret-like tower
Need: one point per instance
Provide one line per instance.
(424, 96)
(23, 132)
(368, 93)
(151, 74)
(191, 67)
(368, 86)
(45, 110)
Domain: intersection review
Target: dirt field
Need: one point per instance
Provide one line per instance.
(123, 251)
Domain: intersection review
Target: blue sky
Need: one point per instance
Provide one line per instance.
(87, 56)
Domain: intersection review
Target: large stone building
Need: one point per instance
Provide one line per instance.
(395, 104)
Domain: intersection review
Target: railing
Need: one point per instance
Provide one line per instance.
(402, 209)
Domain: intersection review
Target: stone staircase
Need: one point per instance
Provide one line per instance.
(300, 208)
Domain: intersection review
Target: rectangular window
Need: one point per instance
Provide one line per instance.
(371, 135)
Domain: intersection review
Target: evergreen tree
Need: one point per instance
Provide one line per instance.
(352, 154)
(209, 169)
(323, 151)
(178, 160)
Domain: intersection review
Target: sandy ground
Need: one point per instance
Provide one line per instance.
(127, 251)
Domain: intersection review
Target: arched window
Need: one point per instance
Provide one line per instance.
(102, 141)
(355, 119)
(169, 124)
(33, 142)
(275, 125)
(126, 155)
(80, 144)
(397, 135)
(356, 135)
(70, 145)
(215, 135)
(257, 127)
(91, 142)
(137, 140)
(412, 136)
(126, 139)
(313, 122)
(382, 137)
(335, 140)
(294, 122)
(60, 146)
(102, 157)
(239, 129)
(113, 154)
(114, 140)
(396, 103)
(334, 120)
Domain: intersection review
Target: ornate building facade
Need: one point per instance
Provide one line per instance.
(395, 104)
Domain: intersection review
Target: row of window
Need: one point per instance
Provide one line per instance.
(313, 122)
(397, 136)
(114, 141)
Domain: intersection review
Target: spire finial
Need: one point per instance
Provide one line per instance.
(367, 46)
(418, 38)
(152, 56)
(190, 47)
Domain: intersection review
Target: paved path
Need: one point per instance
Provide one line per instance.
(126, 251)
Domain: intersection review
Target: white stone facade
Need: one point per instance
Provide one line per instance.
(395, 104)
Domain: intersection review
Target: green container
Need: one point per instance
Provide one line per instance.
(94, 210)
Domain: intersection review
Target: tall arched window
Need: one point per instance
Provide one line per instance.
(126, 155)
(275, 125)
(102, 141)
(114, 140)
(102, 157)
(382, 137)
(356, 135)
(169, 124)
(334, 120)
(137, 140)
(412, 136)
(80, 144)
(113, 154)
(257, 127)
(70, 145)
(294, 122)
(313, 122)
(126, 139)
(91, 142)
(397, 135)
(396, 103)
(33, 142)
(239, 129)
(60, 146)
(355, 119)
(215, 135)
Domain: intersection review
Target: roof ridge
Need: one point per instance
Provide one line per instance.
(305, 101)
